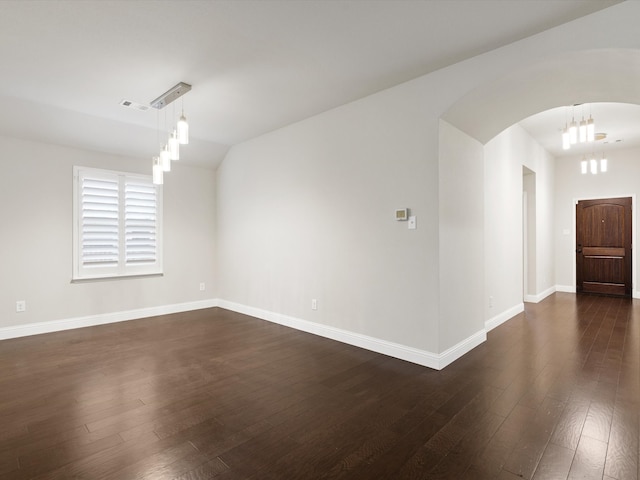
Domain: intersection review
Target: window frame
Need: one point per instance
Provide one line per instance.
(121, 269)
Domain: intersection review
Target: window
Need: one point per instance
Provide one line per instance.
(117, 224)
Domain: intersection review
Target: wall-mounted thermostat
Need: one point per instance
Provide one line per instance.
(402, 214)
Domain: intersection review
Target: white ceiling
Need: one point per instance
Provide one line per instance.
(255, 66)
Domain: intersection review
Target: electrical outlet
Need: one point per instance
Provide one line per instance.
(21, 306)
(202, 286)
(314, 304)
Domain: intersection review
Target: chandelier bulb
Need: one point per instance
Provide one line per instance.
(174, 148)
(157, 171)
(165, 158)
(591, 130)
(183, 130)
(566, 141)
(573, 132)
(603, 163)
(583, 131)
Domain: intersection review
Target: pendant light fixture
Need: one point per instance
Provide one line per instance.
(157, 171)
(165, 158)
(183, 129)
(574, 133)
(603, 163)
(174, 146)
(582, 132)
(591, 164)
(566, 141)
(591, 130)
(178, 135)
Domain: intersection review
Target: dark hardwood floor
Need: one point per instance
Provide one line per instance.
(553, 394)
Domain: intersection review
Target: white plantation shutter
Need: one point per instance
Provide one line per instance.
(140, 222)
(99, 222)
(117, 224)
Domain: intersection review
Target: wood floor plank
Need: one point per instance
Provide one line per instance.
(553, 393)
(490, 461)
(555, 463)
(623, 443)
(588, 462)
(461, 456)
(525, 456)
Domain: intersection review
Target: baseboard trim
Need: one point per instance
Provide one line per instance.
(17, 331)
(503, 317)
(565, 288)
(396, 350)
(570, 289)
(452, 354)
(540, 296)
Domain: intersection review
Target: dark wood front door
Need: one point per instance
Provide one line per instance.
(603, 241)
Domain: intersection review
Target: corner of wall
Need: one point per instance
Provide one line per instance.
(501, 318)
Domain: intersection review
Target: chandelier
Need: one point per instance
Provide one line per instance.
(178, 135)
(573, 132)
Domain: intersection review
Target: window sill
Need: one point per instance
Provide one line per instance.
(106, 278)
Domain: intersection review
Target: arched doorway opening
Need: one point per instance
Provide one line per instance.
(494, 114)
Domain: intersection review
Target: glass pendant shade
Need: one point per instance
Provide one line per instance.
(174, 147)
(183, 130)
(583, 131)
(573, 132)
(603, 164)
(594, 166)
(566, 141)
(165, 158)
(584, 166)
(157, 171)
(591, 130)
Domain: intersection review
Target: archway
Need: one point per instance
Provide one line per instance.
(496, 107)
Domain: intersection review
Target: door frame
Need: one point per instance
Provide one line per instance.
(634, 284)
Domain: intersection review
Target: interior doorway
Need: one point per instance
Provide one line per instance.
(529, 273)
(603, 246)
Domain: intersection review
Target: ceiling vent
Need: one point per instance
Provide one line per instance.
(134, 105)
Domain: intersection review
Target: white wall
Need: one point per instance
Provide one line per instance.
(308, 212)
(461, 236)
(545, 223)
(36, 236)
(505, 155)
(529, 232)
(621, 180)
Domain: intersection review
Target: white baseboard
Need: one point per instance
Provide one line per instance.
(396, 350)
(540, 296)
(452, 354)
(570, 289)
(403, 352)
(503, 317)
(566, 288)
(101, 319)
